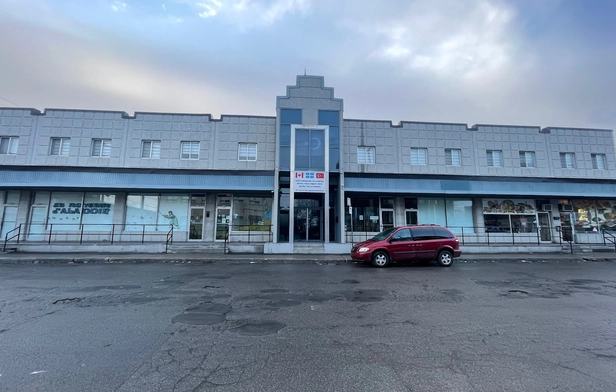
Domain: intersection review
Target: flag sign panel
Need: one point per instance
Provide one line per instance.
(307, 181)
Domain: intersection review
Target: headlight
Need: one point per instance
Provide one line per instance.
(362, 250)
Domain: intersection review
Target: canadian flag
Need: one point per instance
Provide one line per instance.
(320, 175)
(299, 175)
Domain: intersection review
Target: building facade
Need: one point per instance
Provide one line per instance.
(306, 174)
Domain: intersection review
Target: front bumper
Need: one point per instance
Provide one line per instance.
(364, 257)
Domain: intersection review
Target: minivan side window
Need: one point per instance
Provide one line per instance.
(422, 233)
(440, 232)
(402, 235)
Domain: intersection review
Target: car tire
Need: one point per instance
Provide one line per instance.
(444, 258)
(380, 259)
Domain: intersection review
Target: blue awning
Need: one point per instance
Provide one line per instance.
(479, 187)
(157, 181)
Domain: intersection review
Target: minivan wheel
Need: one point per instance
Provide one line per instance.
(445, 258)
(380, 259)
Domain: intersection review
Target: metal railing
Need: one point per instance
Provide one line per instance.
(111, 233)
(248, 233)
(609, 236)
(476, 234)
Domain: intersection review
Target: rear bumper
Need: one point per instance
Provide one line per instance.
(457, 253)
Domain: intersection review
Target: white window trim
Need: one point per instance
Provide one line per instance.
(190, 153)
(13, 144)
(244, 152)
(565, 155)
(490, 154)
(449, 154)
(364, 155)
(151, 149)
(63, 142)
(596, 158)
(526, 155)
(425, 156)
(99, 153)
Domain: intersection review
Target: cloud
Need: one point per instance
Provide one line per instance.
(118, 6)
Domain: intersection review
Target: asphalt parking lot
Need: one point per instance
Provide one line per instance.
(322, 326)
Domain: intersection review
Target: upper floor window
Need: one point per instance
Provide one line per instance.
(247, 152)
(189, 150)
(567, 160)
(8, 144)
(453, 157)
(309, 149)
(527, 159)
(150, 149)
(101, 147)
(598, 161)
(419, 156)
(495, 158)
(60, 146)
(365, 155)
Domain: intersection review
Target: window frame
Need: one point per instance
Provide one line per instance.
(417, 150)
(449, 161)
(524, 161)
(595, 161)
(366, 155)
(62, 141)
(12, 143)
(563, 159)
(101, 149)
(490, 158)
(247, 157)
(151, 148)
(190, 154)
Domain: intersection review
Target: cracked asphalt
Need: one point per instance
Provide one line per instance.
(482, 326)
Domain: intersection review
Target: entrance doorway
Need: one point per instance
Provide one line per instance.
(545, 229)
(308, 218)
(566, 227)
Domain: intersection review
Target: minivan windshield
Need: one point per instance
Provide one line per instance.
(384, 234)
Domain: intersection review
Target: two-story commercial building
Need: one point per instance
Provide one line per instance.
(305, 175)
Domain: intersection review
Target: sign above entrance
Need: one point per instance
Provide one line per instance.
(309, 181)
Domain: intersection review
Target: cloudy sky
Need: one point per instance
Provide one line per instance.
(522, 62)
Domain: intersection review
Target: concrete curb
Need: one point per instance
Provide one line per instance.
(276, 259)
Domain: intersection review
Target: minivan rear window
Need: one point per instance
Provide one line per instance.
(422, 233)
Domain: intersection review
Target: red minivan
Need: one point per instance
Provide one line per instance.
(420, 242)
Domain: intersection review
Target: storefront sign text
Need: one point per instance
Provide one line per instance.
(76, 208)
(309, 182)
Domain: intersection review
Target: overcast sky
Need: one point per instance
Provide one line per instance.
(520, 62)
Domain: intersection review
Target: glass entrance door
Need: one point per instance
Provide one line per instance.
(565, 226)
(308, 224)
(196, 223)
(38, 216)
(545, 231)
(223, 221)
(9, 221)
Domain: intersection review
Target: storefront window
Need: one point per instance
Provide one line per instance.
(141, 210)
(432, 211)
(97, 211)
(459, 215)
(365, 216)
(252, 213)
(506, 216)
(594, 215)
(65, 210)
(12, 197)
(173, 211)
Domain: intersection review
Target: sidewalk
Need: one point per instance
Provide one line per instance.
(102, 258)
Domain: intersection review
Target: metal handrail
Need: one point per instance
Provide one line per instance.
(169, 240)
(254, 233)
(7, 238)
(609, 236)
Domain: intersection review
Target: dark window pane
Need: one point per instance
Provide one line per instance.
(387, 202)
(291, 116)
(334, 159)
(329, 117)
(422, 233)
(440, 232)
(285, 158)
(410, 203)
(334, 137)
(285, 135)
(402, 235)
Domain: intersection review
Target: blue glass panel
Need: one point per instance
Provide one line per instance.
(285, 158)
(431, 211)
(285, 135)
(334, 137)
(291, 116)
(334, 159)
(317, 149)
(302, 149)
(329, 117)
(460, 215)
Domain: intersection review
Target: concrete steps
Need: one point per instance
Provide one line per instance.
(308, 248)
